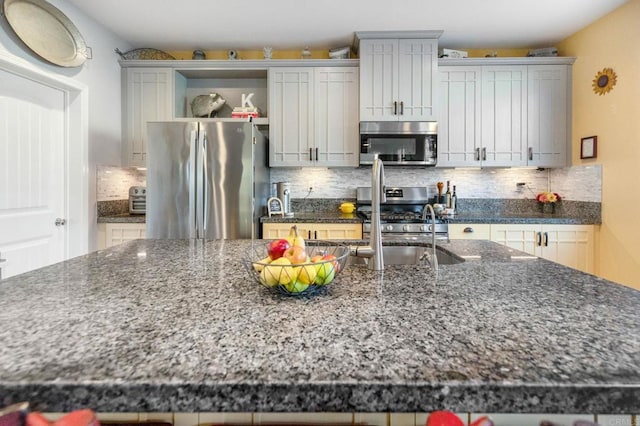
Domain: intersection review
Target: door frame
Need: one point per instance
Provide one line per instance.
(76, 156)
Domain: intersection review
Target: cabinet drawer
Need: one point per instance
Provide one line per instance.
(469, 231)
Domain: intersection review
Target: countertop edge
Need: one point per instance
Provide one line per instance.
(333, 397)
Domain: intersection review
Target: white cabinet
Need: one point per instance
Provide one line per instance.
(549, 96)
(313, 116)
(569, 245)
(314, 231)
(469, 231)
(504, 113)
(503, 129)
(397, 79)
(459, 122)
(112, 234)
(148, 96)
(337, 136)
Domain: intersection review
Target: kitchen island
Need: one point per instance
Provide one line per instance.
(175, 325)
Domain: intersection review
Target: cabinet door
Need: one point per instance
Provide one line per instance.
(469, 231)
(504, 116)
(548, 134)
(118, 233)
(569, 245)
(520, 237)
(417, 72)
(336, 119)
(291, 116)
(148, 97)
(337, 231)
(274, 231)
(378, 80)
(459, 122)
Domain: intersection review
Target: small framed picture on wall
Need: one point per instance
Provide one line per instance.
(589, 147)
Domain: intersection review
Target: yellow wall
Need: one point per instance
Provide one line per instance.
(612, 42)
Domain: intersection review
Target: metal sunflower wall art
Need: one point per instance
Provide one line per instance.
(604, 81)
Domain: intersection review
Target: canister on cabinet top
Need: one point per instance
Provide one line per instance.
(284, 193)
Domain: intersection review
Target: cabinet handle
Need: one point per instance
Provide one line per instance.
(484, 154)
(530, 154)
(401, 107)
(316, 154)
(539, 238)
(395, 107)
(468, 230)
(546, 239)
(477, 155)
(315, 235)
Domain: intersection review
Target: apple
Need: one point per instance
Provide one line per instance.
(276, 248)
(334, 259)
(279, 271)
(296, 254)
(325, 269)
(296, 286)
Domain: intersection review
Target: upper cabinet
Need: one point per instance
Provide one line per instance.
(504, 112)
(397, 75)
(147, 96)
(314, 117)
(549, 115)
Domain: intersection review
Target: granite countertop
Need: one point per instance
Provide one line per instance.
(522, 218)
(314, 217)
(175, 325)
(123, 218)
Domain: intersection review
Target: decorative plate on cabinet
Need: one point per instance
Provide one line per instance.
(47, 32)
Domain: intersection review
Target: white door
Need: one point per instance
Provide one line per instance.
(32, 164)
(379, 80)
(417, 72)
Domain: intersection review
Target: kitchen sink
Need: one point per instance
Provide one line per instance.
(408, 255)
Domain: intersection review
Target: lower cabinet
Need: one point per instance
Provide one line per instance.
(112, 234)
(569, 245)
(314, 231)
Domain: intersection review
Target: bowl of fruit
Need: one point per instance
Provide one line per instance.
(295, 267)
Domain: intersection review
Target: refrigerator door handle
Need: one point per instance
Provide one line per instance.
(200, 184)
(193, 175)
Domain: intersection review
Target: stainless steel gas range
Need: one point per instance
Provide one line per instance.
(401, 214)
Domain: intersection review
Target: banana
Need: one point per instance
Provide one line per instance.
(294, 238)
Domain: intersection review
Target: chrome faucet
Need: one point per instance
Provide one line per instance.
(374, 249)
(429, 207)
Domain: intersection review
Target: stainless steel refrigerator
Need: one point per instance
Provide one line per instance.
(205, 179)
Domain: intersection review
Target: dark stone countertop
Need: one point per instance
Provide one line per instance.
(123, 218)
(314, 217)
(176, 325)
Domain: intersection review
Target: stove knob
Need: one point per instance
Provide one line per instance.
(405, 228)
(424, 228)
(389, 227)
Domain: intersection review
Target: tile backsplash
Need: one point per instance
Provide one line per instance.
(579, 183)
(113, 183)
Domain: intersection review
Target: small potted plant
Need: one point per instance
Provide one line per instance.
(547, 201)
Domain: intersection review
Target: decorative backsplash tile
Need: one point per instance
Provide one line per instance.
(113, 183)
(579, 183)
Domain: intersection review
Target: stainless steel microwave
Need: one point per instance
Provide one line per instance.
(399, 143)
